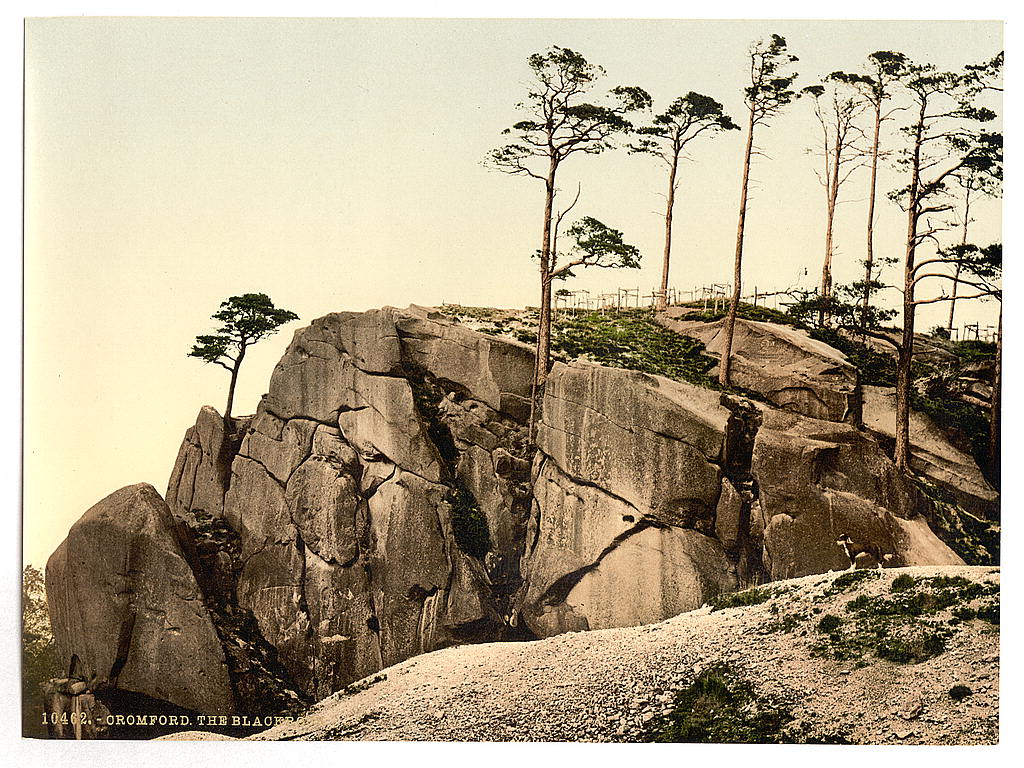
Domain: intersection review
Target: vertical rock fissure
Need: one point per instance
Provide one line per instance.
(469, 524)
(260, 683)
(741, 430)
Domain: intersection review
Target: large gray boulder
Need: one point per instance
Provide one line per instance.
(652, 496)
(792, 370)
(123, 598)
(818, 480)
(627, 483)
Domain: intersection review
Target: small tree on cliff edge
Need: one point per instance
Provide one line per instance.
(559, 122)
(244, 320)
(770, 90)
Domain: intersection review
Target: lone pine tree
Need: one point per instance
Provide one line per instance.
(244, 320)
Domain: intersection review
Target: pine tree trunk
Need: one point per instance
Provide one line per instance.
(234, 380)
(663, 296)
(959, 266)
(730, 320)
(869, 262)
(832, 194)
(543, 352)
(901, 454)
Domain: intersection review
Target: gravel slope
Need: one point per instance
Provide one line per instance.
(605, 685)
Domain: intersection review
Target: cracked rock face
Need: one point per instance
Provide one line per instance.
(652, 496)
(347, 492)
(628, 478)
(123, 598)
(793, 371)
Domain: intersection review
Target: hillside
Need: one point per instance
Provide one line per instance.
(901, 656)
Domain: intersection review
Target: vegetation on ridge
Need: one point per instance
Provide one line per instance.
(909, 625)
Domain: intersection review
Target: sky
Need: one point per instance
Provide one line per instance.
(337, 164)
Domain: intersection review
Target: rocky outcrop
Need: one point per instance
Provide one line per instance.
(124, 600)
(380, 493)
(651, 496)
(202, 469)
(384, 501)
(932, 455)
(785, 365)
(608, 546)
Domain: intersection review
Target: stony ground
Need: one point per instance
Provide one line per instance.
(614, 685)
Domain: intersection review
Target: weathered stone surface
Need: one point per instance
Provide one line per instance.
(729, 516)
(792, 370)
(931, 454)
(597, 564)
(619, 429)
(497, 372)
(124, 599)
(387, 501)
(342, 492)
(625, 493)
(202, 470)
(818, 480)
(385, 421)
(654, 573)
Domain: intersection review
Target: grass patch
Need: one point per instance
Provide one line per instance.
(631, 339)
(876, 368)
(627, 339)
(754, 596)
(959, 692)
(829, 623)
(905, 626)
(719, 707)
(744, 310)
(850, 579)
(958, 419)
(971, 350)
(469, 523)
(989, 613)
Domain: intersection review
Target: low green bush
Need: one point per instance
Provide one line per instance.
(752, 596)
(719, 707)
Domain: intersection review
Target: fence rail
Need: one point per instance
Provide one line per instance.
(714, 297)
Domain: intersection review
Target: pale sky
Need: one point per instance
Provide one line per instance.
(337, 165)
